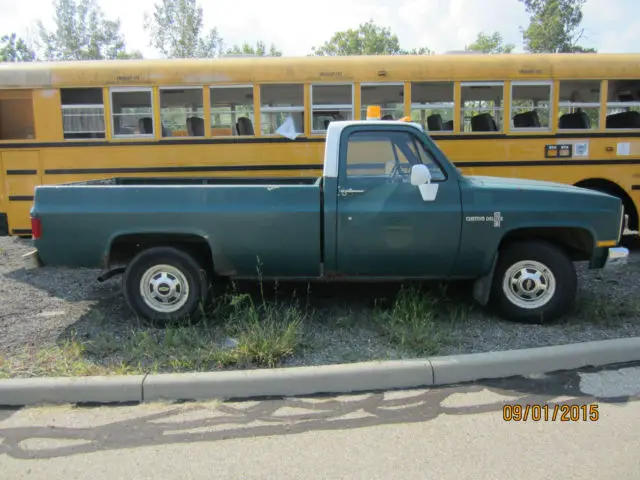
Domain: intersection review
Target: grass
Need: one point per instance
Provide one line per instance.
(420, 322)
(605, 311)
(247, 331)
(239, 333)
(265, 330)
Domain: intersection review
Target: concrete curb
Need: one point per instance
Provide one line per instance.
(347, 378)
(528, 361)
(289, 381)
(31, 391)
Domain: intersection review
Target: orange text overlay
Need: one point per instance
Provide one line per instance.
(550, 413)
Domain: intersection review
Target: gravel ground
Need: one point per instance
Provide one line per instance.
(42, 308)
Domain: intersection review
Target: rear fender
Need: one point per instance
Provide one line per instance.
(221, 264)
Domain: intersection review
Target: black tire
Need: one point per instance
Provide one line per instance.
(562, 274)
(182, 268)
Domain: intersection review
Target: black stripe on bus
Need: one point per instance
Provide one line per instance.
(548, 163)
(188, 141)
(207, 168)
(255, 168)
(22, 172)
(21, 231)
(635, 187)
(261, 140)
(21, 198)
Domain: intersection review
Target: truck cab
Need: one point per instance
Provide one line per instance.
(389, 206)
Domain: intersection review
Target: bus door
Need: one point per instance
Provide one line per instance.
(21, 172)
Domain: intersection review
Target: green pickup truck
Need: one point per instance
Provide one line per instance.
(389, 206)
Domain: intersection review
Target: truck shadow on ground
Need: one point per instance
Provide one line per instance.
(82, 284)
(72, 285)
(334, 316)
(165, 424)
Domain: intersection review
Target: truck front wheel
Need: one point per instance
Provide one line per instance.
(164, 284)
(534, 282)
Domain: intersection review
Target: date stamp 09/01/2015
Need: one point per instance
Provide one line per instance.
(550, 413)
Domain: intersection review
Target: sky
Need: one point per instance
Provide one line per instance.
(297, 25)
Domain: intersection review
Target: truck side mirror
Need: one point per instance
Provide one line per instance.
(421, 178)
(420, 175)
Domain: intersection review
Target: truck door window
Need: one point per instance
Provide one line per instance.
(386, 155)
(437, 175)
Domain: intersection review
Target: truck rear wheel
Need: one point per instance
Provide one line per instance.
(534, 282)
(164, 285)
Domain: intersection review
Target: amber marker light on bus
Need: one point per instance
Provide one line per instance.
(36, 228)
(373, 112)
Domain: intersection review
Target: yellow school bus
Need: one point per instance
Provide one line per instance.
(571, 118)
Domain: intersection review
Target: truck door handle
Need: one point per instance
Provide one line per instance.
(349, 191)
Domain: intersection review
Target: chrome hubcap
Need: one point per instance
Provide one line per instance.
(529, 284)
(164, 288)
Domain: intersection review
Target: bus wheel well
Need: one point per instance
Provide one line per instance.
(578, 243)
(125, 247)
(607, 186)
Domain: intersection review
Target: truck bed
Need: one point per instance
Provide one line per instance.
(274, 227)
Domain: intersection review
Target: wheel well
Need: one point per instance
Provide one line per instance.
(125, 247)
(576, 242)
(607, 186)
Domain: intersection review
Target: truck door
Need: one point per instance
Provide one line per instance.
(384, 227)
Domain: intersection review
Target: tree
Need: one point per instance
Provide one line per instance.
(260, 50)
(417, 51)
(490, 44)
(554, 26)
(177, 30)
(15, 49)
(367, 39)
(82, 33)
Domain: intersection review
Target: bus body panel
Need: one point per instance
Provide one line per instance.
(601, 158)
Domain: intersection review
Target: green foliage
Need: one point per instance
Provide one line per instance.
(554, 26)
(367, 39)
(81, 32)
(135, 55)
(493, 43)
(260, 50)
(15, 49)
(176, 28)
(420, 322)
(417, 51)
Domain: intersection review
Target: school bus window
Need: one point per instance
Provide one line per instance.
(82, 113)
(390, 98)
(232, 110)
(181, 112)
(579, 107)
(16, 115)
(623, 104)
(132, 112)
(531, 105)
(330, 103)
(482, 106)
(279, 104)
(432, 105)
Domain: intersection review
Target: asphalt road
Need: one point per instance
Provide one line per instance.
(458, 432)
